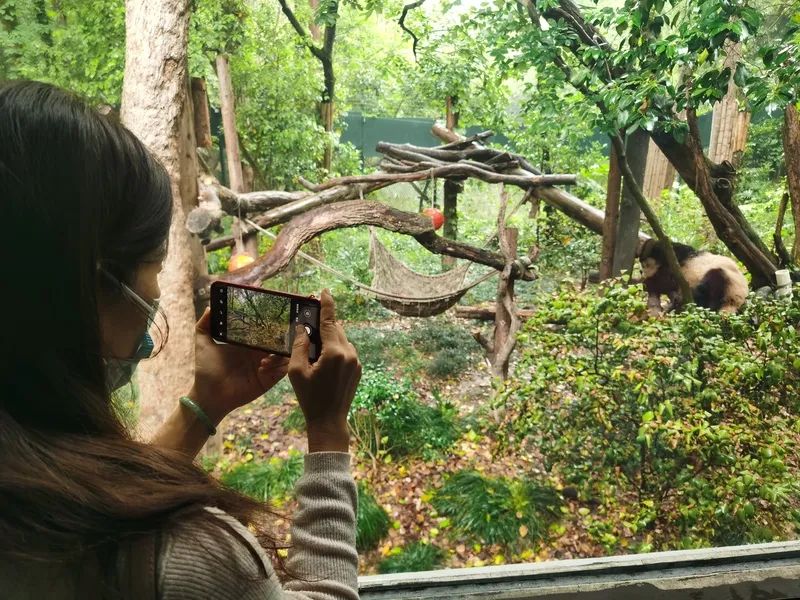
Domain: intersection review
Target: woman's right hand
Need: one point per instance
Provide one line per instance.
(325, 389)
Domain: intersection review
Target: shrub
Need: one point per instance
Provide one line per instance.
(266, 481)
(412, 558)
(372, 522)
(693, 415)
(497, 510)
(387, 417)
(373, 344)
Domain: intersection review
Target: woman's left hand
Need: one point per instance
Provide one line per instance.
(228, 376)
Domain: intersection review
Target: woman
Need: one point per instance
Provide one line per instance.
(85, 510)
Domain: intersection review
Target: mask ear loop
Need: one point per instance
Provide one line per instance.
(147, 345)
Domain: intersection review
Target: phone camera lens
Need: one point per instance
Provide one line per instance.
(307, 313)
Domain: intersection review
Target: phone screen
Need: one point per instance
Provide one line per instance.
(262, 318)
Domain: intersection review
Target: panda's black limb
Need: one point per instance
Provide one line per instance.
(710, 292)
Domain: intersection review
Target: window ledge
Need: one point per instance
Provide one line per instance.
(758, 571)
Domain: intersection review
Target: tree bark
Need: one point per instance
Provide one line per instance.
(156, 106)
(202, 116)
(630, 215)
(613, 191)
(791, 154)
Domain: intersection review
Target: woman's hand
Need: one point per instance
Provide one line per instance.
(325, 389)
(228, 376)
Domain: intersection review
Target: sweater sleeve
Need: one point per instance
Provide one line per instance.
(226, 562)
(323, 553)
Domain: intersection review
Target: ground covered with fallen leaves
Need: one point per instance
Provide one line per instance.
(271, 430)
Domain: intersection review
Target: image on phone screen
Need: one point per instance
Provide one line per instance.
(258, 319)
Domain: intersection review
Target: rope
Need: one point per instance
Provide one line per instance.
(366, 288)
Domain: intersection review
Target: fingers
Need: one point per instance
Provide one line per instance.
(204, 324)
(298, 363)
(327, 311)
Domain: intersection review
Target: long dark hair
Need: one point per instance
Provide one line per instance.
(77, 191)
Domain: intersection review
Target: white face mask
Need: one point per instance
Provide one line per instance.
(119, 371)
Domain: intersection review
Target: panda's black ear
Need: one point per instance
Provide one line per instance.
(647, 249)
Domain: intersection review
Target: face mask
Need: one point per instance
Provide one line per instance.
(119, 371)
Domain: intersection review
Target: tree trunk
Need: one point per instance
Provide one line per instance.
(726, 121)
(249, 242)
(313, 28)
(630, 214)
(202, 117)
(791, 154)
(451, 189)
(659, 175)
(713, 185)
(156, 106)
(326, 114)
(613, 191)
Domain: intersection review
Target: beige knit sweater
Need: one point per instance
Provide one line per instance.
(229, 564)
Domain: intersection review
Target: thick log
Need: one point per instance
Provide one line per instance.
(613, 195)
(487, 313)
(202, 118)
(309, 225)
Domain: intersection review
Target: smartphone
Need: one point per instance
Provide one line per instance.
(263, 319)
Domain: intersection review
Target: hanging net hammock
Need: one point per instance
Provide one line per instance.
(413, 294)
(399, 288)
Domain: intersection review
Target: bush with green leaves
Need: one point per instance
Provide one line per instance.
(497, 510)
(266, 481)
(388, 418)
(294, 421)
(415, 557)
(372, 522)
(451, 348)
(694, 415)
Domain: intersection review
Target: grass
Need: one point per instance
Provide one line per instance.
(413, 558)
(294, 421)
(266, 481)
(497, 510)
(372, 522)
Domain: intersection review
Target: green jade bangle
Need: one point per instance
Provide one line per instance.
(199, 413)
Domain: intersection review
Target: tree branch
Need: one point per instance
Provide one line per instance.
(309, 225)
(402, 23)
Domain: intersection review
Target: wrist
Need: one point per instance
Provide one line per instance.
(215, 415)
(328, 437)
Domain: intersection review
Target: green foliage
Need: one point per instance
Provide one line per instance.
(451, 347)
(372, 522)
(266, 481)
(494, 510)
(695, 414)
(75, 44)
(294, 421)
(413, 558)
(388, 418)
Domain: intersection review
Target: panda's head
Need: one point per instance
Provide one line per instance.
(653, 255)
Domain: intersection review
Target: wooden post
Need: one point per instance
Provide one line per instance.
(729, 125)
(791, 154)
(451, 190)
(202, 117)
(659, 173)
(629, 213)
(507, 322)
(232, 154)
(613, 191)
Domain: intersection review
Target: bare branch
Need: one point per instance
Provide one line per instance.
(402, 23)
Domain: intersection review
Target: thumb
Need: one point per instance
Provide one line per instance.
(299, 359)
(204, 324)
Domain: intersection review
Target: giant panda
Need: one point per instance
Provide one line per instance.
(716, 282)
